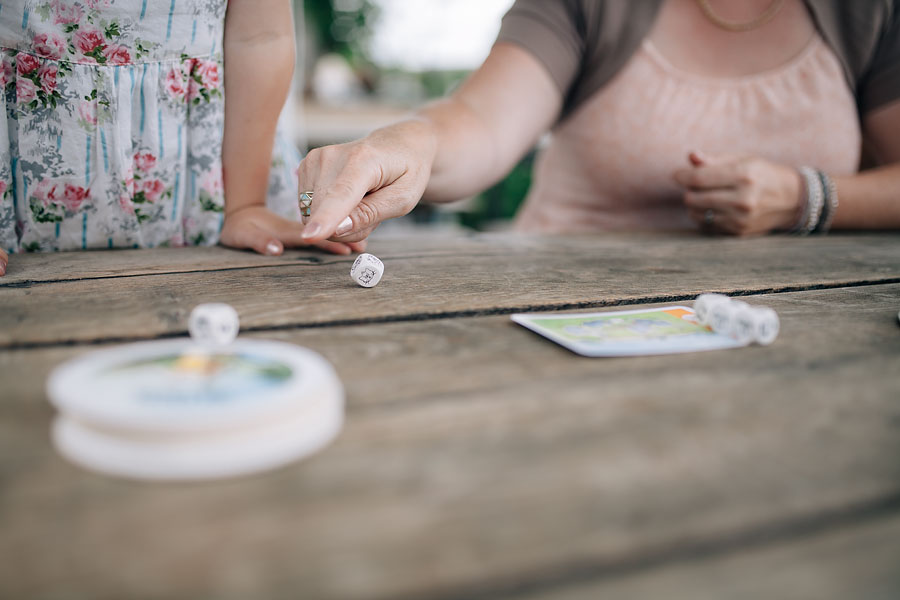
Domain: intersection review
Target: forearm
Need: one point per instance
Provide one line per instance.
(489, 123)
(259, 63)
(467, 158)
(869, 200)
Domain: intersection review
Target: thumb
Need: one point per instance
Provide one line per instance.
(702, 159)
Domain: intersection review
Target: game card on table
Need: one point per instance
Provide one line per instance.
(666, 330)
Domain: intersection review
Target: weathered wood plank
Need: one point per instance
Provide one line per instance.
(511, 274)
(27, 269)
(479, 458)
(853, 562)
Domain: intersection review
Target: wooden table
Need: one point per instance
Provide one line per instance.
(479, 460)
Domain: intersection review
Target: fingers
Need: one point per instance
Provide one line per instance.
(716, 199)
(729, 175)
(248, 234)
(390, 202)
(4, 261)
(340, 177)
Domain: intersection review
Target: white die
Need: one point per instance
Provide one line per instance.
(704, 303)
(722, 316)
(214, 324)
(765, 325)
(367, 270)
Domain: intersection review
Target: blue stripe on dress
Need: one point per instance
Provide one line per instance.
(177, 175)
(194, 32)
(143, 9)
(12, 174)
(162, 148)
(175, 195)
(25, 19)
(87, 163)
(116, 75)
(58, 143)
(105, 153)
(57, 230)
(169, 28)
(84, 231)
(143, 100)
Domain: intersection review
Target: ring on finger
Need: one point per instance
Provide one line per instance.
(305, 202)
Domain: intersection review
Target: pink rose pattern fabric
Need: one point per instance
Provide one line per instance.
(113, 131)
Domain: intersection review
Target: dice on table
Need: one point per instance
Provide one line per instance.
(758, 324)
(704, 303)
(367, 270)
(737, 319)
(213, 324)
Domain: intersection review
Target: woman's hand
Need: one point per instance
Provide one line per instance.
(260, 229)
(4, 260)
(358, 185)
(741, 196)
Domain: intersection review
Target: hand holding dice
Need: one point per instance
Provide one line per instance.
(737, 319)
(367, 270)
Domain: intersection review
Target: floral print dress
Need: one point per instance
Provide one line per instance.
(114, 121)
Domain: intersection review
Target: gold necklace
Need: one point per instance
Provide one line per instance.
(769, 14)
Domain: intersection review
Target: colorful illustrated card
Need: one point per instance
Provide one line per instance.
(667, 330)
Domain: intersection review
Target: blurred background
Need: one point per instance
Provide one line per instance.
(366, 63)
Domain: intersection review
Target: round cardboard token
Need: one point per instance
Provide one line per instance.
(177, 386)
(180, 457)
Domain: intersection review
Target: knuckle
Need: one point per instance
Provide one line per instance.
(747, 173)
(313, 157)
(365, 216)
(360, 152)
(340, 188)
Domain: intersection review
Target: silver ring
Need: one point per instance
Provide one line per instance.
(306, 199)
(708, 217)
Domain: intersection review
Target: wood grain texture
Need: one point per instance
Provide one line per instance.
(851, 562)
(29, 269)
(480, 461)
(492, 275)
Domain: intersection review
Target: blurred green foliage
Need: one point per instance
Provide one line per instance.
(342, 26)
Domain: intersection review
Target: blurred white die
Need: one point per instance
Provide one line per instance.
(367, 270)
(762, 322)
(214, 324)
(704, 303)
(723, 316)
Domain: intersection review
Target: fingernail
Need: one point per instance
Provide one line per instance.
(345, 226)
(273, 248)
(2, 268)
(311, 231)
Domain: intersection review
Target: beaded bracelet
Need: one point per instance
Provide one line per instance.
(815, 200)
(830, 203)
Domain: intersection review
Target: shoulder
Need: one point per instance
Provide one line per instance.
(582, 43)
(865, 36)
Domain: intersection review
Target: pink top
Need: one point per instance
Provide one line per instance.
(609, 166)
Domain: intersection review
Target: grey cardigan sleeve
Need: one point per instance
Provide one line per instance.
(880, 84)
(548, 30)
(582, 43)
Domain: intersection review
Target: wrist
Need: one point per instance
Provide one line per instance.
(796, 193)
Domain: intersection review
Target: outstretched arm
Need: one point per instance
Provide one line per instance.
(450, 149)
(259, 64)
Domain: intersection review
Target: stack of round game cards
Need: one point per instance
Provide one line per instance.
(182, 409)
